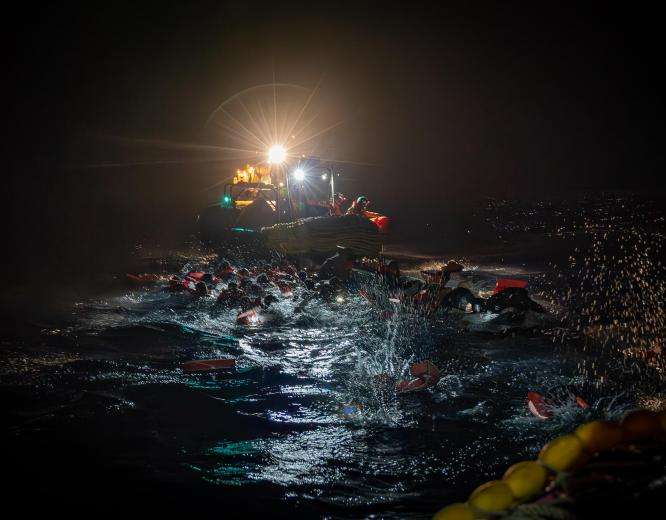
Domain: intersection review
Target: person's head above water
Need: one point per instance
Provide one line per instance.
(200, 289)
(262, 279)
(255, 289)
(452, 267)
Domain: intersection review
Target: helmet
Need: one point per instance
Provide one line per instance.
(362, 200)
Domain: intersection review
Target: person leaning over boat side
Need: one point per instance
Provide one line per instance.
(339, 265)
(335, 208)
(359, 206)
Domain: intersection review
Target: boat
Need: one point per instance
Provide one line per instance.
(289, 212)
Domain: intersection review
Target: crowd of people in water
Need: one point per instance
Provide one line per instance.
(255, 288)
(252, 291)
(259, 287)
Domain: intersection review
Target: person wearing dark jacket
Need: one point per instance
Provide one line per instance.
(339, 265)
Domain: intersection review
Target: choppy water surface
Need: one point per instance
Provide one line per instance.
(103, 394)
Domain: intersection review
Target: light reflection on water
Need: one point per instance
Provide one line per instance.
(278, 420)
(297, 372)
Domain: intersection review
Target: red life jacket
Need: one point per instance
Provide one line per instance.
(505, 283)
(382, 222)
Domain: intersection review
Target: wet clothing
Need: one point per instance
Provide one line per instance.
(514, 297)
(268, 301)
(230, 297)
(247, 303)
(458, 298)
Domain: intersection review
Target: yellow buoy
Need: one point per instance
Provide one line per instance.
(599, 435)
(457, 511)
(492, 497)
(562, 453)
(526, 479)
(640, 424)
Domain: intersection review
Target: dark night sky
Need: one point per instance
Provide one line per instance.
(451, 102)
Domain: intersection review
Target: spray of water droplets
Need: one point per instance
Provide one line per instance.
(611, 297)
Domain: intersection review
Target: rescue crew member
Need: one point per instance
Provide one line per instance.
(359, 206)
(336, 206)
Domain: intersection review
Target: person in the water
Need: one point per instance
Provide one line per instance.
(231, 296)
(186, 285)
(255, 290)
(339, 265)
(175, 284)
(247, 303)
(438, 290)
(245, 283)
(269, 300)
(512, 297)
(263, 280)
(225, 271)
(329, 291)
(200, 289)
(390, 275)
(461, 298)
(210, 280)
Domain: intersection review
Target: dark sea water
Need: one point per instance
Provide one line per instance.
(101, 418)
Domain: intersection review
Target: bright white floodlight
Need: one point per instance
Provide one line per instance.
(299, 174)
(277, 154)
